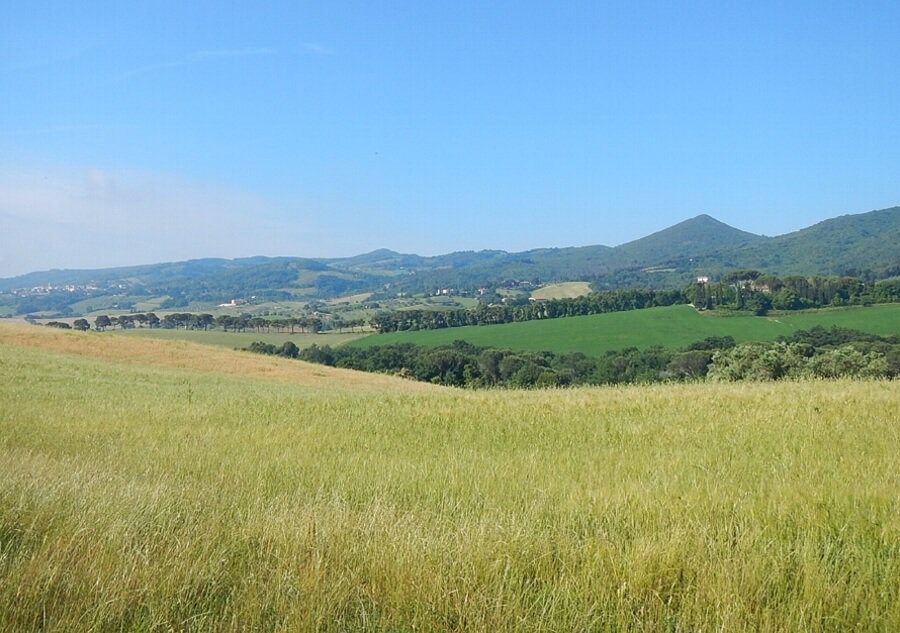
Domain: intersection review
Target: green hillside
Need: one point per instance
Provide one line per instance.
(672, 327)
(837, 246)
(684, 241)
(145, 275)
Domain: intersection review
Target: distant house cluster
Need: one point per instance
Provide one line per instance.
(48, 289)
(234, 303)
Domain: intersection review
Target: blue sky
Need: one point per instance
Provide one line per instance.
(155, 131)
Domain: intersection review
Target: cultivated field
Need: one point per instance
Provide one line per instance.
(564, 290)
(674, 326)
(163, 486)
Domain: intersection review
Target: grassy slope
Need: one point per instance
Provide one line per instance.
(670, 327)
(148, 485)
(234, 340)
(140, 351)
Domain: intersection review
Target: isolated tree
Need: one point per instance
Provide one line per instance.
(102, 322)
(81, 325)
(204, 320)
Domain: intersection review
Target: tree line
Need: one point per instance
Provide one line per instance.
(593, 303)
(815, 353)
(740, 291)
(205, 321)
(746, 291)
(749, 290)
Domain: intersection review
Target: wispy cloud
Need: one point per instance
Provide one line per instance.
(317, 49)
(150, 68)
(199, 57)
(95, 217)
(232, 52)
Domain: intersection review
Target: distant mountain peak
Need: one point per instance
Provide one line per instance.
(689, 238)
(381, 252)
(703, 219)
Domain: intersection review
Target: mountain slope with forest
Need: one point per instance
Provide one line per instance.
(842, 245)
(865, 243)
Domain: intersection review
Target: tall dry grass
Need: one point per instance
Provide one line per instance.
(152, 494)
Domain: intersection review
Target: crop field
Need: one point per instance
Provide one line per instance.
(104, 304)
(349, 299)
(564, 290)
(150, 485)
(238, 340)
(674, 326)
(438, 303)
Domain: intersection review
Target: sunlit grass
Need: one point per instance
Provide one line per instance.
(145, 492)
(563, 290)
(237, 340)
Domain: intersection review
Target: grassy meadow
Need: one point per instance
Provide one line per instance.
(151, 485)
(674, 326)
(239, 340)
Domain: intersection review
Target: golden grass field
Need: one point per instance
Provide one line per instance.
(164, 486)
(563, 290)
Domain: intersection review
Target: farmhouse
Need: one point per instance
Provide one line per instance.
(233, 303)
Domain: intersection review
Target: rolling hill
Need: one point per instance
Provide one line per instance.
(674, 326)
(840, 245)
(686, 240)
(848, 244)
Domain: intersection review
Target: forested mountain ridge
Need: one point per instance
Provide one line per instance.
(849, 244)
(842, 245)
(145, 274)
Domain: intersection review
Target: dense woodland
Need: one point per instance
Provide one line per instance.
(815, 353)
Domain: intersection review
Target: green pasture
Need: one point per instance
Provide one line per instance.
(674, 326)
(349, 299)
(141, 497)
(235, 340)
(103, 304)
(435, 303)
